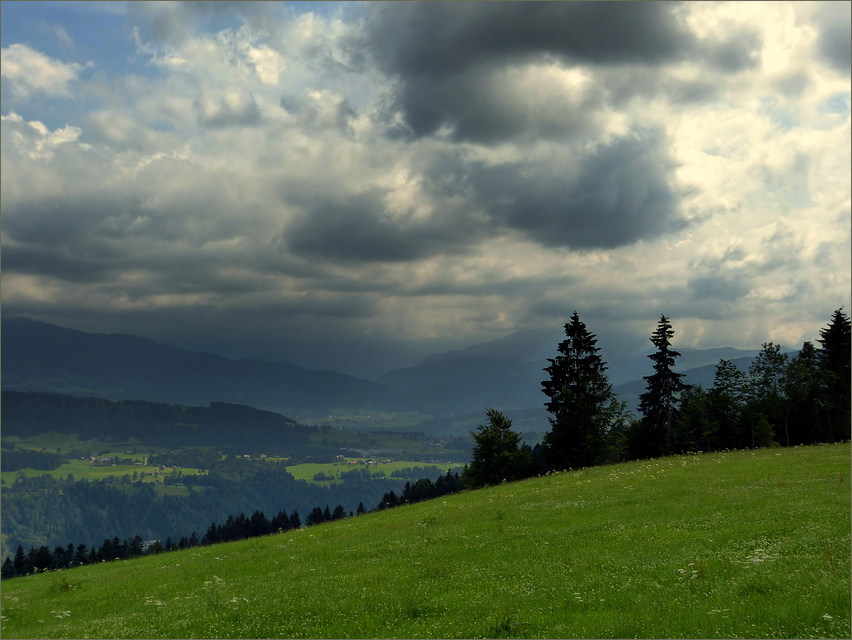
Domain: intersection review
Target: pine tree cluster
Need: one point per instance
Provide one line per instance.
(779, 401)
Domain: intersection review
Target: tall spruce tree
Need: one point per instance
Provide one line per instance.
(659, 404)
(834, 359)
(582, 401)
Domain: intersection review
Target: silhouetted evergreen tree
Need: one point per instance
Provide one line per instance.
(81, 555)
(212, 535)
(834, 360)
(281, 522)
(659, 404)
(767, 385)
(39, 558)
(726, 401)
(582, 401)
(20, 561)
(497, 454)
(8, 569)
(388, 501)
(134, 546)
(539, 460)
(691, 421)
(315, 517)
(807, 397)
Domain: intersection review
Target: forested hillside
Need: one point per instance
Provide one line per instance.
(45, 511)
(220, 424)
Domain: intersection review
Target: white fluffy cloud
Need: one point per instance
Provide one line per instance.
(29, 71)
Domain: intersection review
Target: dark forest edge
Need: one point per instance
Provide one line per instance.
(40, 559)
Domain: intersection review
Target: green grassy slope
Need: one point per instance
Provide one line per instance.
(740, 544)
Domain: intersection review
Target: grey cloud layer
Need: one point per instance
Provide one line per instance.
(835, 44)
(448, 58)
(612, 196)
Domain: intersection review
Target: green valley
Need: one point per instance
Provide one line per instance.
(729, 544)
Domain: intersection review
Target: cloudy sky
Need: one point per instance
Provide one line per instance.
(313, 182)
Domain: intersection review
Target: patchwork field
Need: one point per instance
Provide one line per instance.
(737, 544)
(307, 471)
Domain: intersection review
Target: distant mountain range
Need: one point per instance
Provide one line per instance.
(505, 374)
(43, 357)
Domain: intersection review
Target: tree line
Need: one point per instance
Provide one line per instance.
(17, 459)
(221, 424)
(423, 489)
(779, 401)
(40, 558)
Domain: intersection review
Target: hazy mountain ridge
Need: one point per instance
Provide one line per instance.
(38, 356)
(507, 373)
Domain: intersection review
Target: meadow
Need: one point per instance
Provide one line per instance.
(60, 442)
(307, 470)
(732, 544)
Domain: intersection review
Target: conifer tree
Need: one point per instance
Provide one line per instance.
(20, 561)
(807, 397)
(8, 569)
(767, 384)
(659, 404)
(497, 453)
(582, 401)
(316, 516)
(726, 404)
(835, 355)
(693, 424)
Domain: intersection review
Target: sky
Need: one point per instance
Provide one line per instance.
(356, 186)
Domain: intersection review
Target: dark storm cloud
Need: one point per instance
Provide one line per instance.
(619, 194)
(612, 196)
(435, 39)
(447, 56)
(358, 228)
(835, 42)
(55, 222)
(738, 52)
(450, 62)
(60, 263)
(475, 106)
